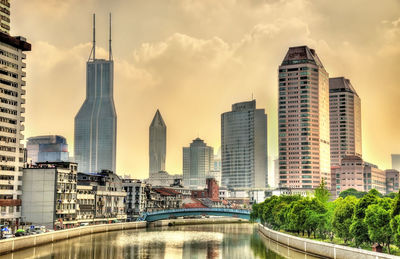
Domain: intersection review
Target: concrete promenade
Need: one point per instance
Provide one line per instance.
(322, 249)
(19, 243)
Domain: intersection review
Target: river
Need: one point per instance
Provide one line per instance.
(232, 241)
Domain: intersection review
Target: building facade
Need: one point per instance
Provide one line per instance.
(109, 196)
(135, 202)
(49, 195)
(197, 164)
(96, 122)
(396, 161)
(51, 148)
(392, 180)
(157, 144)
(355, 173)
(12, 100)
(244, 152)
(5, 16)
(345, 120)
(304, 129)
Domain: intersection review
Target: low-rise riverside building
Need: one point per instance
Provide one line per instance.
(49, 195)
(135, 201)
(109, 196)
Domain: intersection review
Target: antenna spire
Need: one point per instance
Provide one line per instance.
(93, 52)
(110, 57)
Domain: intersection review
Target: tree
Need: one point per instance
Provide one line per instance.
(395, 218)
(352, 192)
(377, 218)
(322, 193)
(343, 217)
(359, 229)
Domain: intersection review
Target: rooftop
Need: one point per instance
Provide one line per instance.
(301, 54)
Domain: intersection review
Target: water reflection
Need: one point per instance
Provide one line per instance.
(196, 242)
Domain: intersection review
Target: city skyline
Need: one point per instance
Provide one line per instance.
(237, 64)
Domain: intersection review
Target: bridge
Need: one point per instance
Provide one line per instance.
(170, 214)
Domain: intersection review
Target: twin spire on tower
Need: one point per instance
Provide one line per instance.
(92, 56)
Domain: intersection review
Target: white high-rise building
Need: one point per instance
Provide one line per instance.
(345, 120)
(304, 129)
(12, 99)
(198, 161)
(244, 146)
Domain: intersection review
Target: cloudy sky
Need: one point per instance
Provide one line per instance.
(193, 58)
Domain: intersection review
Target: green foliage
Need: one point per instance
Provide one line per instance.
(359, 229)
(377, 219)
(343, 217)
(357, 221)
(352, 192)
(322, 193)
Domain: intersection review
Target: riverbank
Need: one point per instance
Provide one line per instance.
(319, 248)
(19, 243)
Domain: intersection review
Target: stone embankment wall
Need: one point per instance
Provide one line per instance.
(321, 248)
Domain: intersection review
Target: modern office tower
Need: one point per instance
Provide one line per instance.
(50, 148)
(96, 121)
(304, 147)
(157, 144)
(197, 164)
(12, 97)
(355, 173)
(392, 180)
(396, 161)
(345, 120)
(244, 146)
(5, 16)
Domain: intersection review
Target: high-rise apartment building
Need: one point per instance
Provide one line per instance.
(244, 146)
(345, 120)
(396, 161)
(304, 145)
(197, 164)
(157, 144)
(12, 99)
(50, 148)
(5, 16)
(96, 121)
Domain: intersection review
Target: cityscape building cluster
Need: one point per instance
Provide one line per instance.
(319, 136)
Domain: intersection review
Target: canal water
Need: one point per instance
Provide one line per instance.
(232, 241)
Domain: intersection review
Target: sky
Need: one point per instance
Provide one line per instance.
(193, 59)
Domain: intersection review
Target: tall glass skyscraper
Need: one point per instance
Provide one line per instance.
(96, 121)
(304, 129)
(244, 146)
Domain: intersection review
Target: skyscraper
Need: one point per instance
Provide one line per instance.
(345, 120)
(51, 148)
(396, 161)
(197, 164)
(304, 147)
(244, 146)
(157, 144)
(12, 95)
(96, 121)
